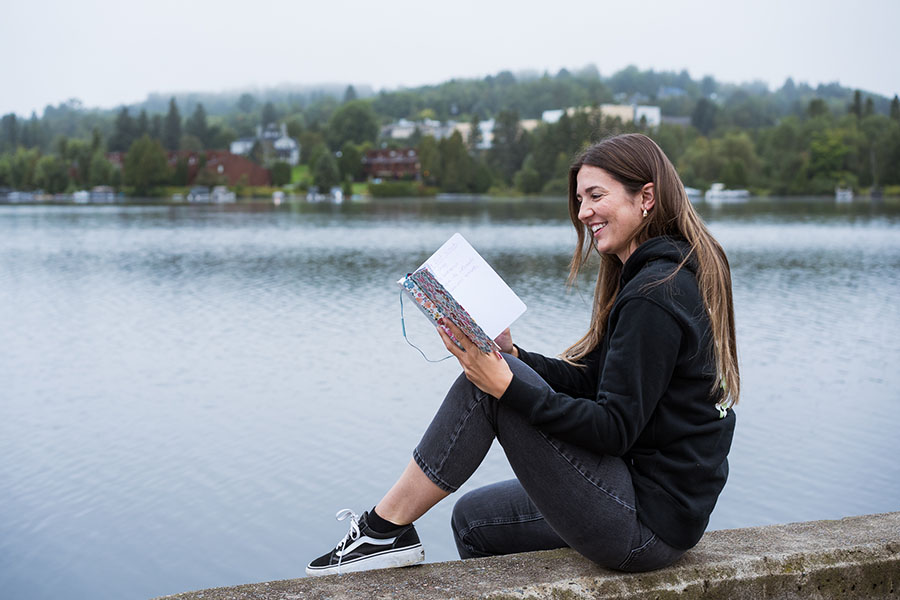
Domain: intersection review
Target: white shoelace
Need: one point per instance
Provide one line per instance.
(351, 536)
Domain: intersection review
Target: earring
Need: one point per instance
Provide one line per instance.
(645, 213)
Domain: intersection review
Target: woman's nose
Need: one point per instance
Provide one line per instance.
(584, 211)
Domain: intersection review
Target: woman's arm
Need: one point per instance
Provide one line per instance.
(643, 349)
(579, 381)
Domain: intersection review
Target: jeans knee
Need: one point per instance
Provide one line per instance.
(460, 523)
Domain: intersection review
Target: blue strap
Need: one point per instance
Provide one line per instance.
(403, 325)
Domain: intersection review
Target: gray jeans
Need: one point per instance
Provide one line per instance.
(563, 495)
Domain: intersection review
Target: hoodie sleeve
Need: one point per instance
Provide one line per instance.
(643, 349)
(578, 381)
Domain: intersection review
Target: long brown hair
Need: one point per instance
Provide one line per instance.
(635, 160)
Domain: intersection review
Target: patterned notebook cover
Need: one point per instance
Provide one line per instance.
(436, 302)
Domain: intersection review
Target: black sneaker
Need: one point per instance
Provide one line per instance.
(363, 549)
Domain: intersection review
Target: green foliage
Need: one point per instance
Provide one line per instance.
(354, 122)
(246, 103)
(528, 180)
(325, 172)
(50, 174)
(429, 160)
(146, 166)
(457, 167)
(269, 114)
(350, 162)
(197, 126)
(124, 132)
(101, 171)
(704, 116)
(507, 151)
(22, 167)
(281, 174)
(171, 133)
(794, 140)
(5, 170)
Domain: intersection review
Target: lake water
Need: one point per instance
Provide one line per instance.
(189, 394)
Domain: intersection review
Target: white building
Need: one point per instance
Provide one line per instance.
(276, 144)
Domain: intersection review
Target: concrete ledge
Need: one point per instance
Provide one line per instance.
(856, 557)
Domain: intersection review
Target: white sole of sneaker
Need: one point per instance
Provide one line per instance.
(388, 559)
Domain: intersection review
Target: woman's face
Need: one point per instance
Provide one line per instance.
(611, 212)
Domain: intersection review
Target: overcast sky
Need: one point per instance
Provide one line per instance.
(112, 52)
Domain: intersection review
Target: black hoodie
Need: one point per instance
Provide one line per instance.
(645, 394)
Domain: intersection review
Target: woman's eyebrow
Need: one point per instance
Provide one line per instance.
(594, 187)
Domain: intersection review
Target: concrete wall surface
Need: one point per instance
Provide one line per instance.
(855, 557)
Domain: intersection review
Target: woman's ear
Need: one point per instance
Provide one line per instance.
(648, 196)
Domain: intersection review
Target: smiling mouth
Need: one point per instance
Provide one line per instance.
(597, 227)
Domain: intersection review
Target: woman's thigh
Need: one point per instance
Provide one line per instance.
(500, 519)
(586, 498)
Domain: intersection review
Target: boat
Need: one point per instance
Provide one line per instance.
(198, 193)
(221, 195)
(842, 194)
(716, 194)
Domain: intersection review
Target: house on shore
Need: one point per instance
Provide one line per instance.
(627, 113)
(392, 163)
(219, 166)
(276, 145)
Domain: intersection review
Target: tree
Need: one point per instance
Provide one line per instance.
(325, 172)
(354, 122)
(895, 108)
(350, 162)
(123, 132)
(281, 174)
(349, 94)
(246, 103)
(50, 174)
(9, 133)
(142, 127)
(5, 171)
(817, 108)
(269, 114)
(429, 159)
(528, 180)
(856, 106)
(869, 107)
(21, 172)
(101, 170)
(197, 126)
(704, 116)
(457, 167)
(156, 127)
(475, 137)
(506, 153)
(146, 166)
(171, 133)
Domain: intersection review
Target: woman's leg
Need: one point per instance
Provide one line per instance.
(586, 499)
(500, 519)
(410, 497)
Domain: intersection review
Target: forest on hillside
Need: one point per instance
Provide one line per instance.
(797, 139)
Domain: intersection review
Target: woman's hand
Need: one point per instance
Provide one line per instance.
(504, 340)
(489, 372)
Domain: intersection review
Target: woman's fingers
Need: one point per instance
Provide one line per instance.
(457, 333)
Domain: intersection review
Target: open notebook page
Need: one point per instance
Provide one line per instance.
(475, 285)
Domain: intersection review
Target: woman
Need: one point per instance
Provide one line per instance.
(619, 448)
